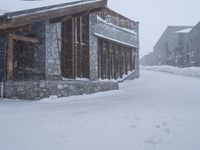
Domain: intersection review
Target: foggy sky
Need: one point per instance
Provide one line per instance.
(154, 15)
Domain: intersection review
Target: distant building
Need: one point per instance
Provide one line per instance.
(178, 46)
(193, 47)
(170, 47)
(148, 60)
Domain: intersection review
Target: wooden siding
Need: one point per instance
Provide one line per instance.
(114, 60)
(75, 47)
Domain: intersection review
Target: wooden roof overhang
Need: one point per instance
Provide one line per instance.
(26, 17)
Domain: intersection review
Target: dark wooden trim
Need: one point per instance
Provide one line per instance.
(73, 50)
(60, 19)
(24, 28)
(10, 57)
(25, 38)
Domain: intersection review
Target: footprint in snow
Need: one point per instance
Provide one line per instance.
(136, 119)
(157, 126)
(167, 131)
(164, 123)
(154, 140)
(134, 126)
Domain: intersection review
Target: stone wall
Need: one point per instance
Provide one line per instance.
(114, 32)
(35, 90)
(137, 60)
(53, 50)
(93, 48)
(194, 44)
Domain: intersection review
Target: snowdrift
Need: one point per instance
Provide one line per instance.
(188, 71)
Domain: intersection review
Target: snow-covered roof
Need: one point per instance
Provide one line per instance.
(33, 14)
(31, 7)
(184, 31)
(18, 5)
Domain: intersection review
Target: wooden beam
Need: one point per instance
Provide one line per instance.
(25, 38)
(12, 37)
(25, 28)
(10, 57)
(60, 19)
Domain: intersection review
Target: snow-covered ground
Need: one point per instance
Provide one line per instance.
(159, 111)
(188, 71)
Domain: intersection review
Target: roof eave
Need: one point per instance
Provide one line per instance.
(22, 20)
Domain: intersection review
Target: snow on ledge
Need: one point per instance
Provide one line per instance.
(77, 79)
(115, 26)
(188, 71)
(184, 31)
(124, 76)
(114, 40)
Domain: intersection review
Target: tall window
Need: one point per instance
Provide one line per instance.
(75, 47)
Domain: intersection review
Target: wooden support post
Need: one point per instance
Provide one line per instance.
(115, 60)
(63, 51)
(99, 58)
(73, 49)
(102, 59)
(76, 46)
(108, 60)
(121, 61)
(81, 47)
(10, 57)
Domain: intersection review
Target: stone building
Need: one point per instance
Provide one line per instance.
(148, 60)
(66, 49)
(193, 47)
(170, 49)
(178, 46)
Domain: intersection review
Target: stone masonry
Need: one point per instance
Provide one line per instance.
(93, 49)
(33, 90)
(53, 50)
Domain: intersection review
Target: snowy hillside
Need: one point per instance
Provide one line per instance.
(190, 71)
(159, 111)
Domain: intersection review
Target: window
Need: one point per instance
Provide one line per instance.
(24, 57)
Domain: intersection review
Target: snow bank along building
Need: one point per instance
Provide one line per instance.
(66, 49)
(178, 46)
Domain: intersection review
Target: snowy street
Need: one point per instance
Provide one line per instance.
(158, 111)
